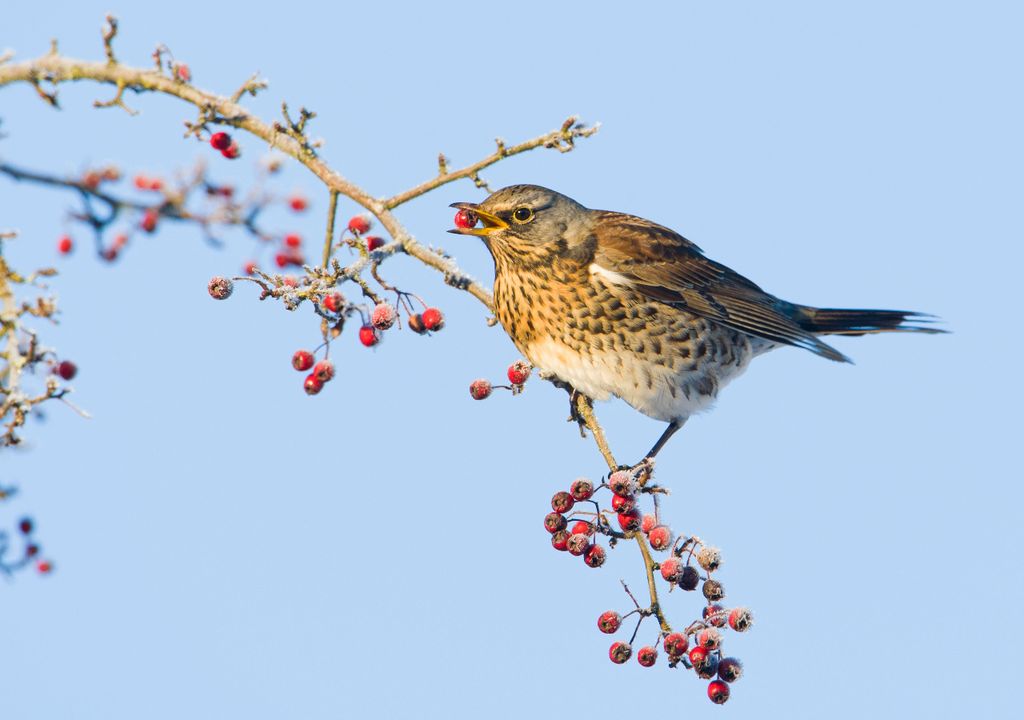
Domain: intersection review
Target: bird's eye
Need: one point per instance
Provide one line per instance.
(522, 215)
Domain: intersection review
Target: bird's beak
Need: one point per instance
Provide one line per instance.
(490, 222)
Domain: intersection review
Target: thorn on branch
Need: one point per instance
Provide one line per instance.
(49, 97)
(251, 86)
(109, 33)
(442, 164)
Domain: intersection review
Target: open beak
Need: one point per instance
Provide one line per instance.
(490, 222)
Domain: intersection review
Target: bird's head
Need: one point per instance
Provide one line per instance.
(526, 223)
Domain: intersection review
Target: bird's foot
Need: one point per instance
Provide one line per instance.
(575, 413)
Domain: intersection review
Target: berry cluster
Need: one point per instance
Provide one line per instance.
(699, 646)
(31, 550)
(228, 148)
(518, 373)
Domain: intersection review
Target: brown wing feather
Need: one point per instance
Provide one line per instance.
(665, 266)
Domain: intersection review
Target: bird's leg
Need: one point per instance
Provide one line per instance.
(575, 397)
(669, 432)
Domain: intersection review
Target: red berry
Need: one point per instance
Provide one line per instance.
(182, 72)
(581, 527)
(718, 691)
(553, 522)
(648, 523)
(282, 259)
(519, 372)
(92, 179)
(595, 556)
(120, 240)
(220, 288)
(232, 151)
(293, 240)
(110, 254)
(647, 656)
(141, 182)
(730, 670)
(324, 371)
(715, 615)
(67, 369)
(581, 489)
(359, 224)
(383, 316)
(708, 638)
(416, 324)
(620, 652)
(740, 619)
(31, 550)
(149, 219)
(478, 389)
(578, 544)
(623, 505)
(25, 526)
(433, 319)
(297, 203)
(65, 245)
(249, 268)
(671, 569)
(562, 502)
(220, 141)
(629, 521)
(621, 483)
(676, 644)
(560, 540)
(373, 242)
(334, 302)
(609, 621)
(660, 537)
(44, 567)
(699, 656)
(302, 360)
(313, 384)
(368, 335)
(465, 219)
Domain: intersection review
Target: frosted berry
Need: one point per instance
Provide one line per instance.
(560, 540)
(479, 389)
(713, 590)
(708, 638)
(465, 219)
(433, 319)
(620, 652)
(647, 656)
(65, 245)
(621, 483)
(562, 502)
(699, 656)
(718, 692)
(232, 151)
(629, 521)
(518, 372)
(368, 335)
(149, 220)
(623, 504)
(648, 523)
(676, 644)
(730, 669)
(383, 316)
(609, 621)
(689, 578)
(740, 619)
(220, 288)
(25, 526)
(660, 537)
(220, 141)
(293, 240)
(373, 242)
(67, 369)
(297, 203)
(709, 668)
(334, 302)
(359, 224)
(553, 522)
(324, 370)
(578, 544)
(302, 360)
(416, 324)
(581, 527)
(595, 556)
(581, 489)
(672, 569)
(714, 615)
(313, 384)
(709, 558)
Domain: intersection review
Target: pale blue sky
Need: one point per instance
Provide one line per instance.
(228, 547)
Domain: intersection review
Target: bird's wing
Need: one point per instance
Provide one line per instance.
(665, 266)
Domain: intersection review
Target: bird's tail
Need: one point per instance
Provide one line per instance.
(836, 321)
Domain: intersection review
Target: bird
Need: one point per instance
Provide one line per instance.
(608, 304)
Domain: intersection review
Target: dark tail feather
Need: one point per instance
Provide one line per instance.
(835, 321)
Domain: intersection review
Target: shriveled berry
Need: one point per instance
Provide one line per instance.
(715, 615)
(383, 316)
(629, 521)
(560, 540)
(620, 652)
(220, 140)
(465, 219)
(581, 489)
(433, 319)
(718, 692)
(689, 578)
(708, 638)
(479, 389)
(609, 621)
(676, 644)
(369, 335)
(67, 369)
(660, 537)
(579, 544)
(740, 619)
(562, 502)
(519, 372)
(648, 523)
(709, 669)
(324, 371)
(293, 240)
(621, 483)
(671, 569)
(297, 203)
(595, 556)
(220, 288)
(713, 590)
(334, 302)
(647, 656)
(581, 527)
(359, 224)
(730, 669)
(623, 504)
(313, 384)
(25, 526)
(415, 324)
(302, 360)
(709, 558)
(374, 242)
(65, 245)
(553, 522)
